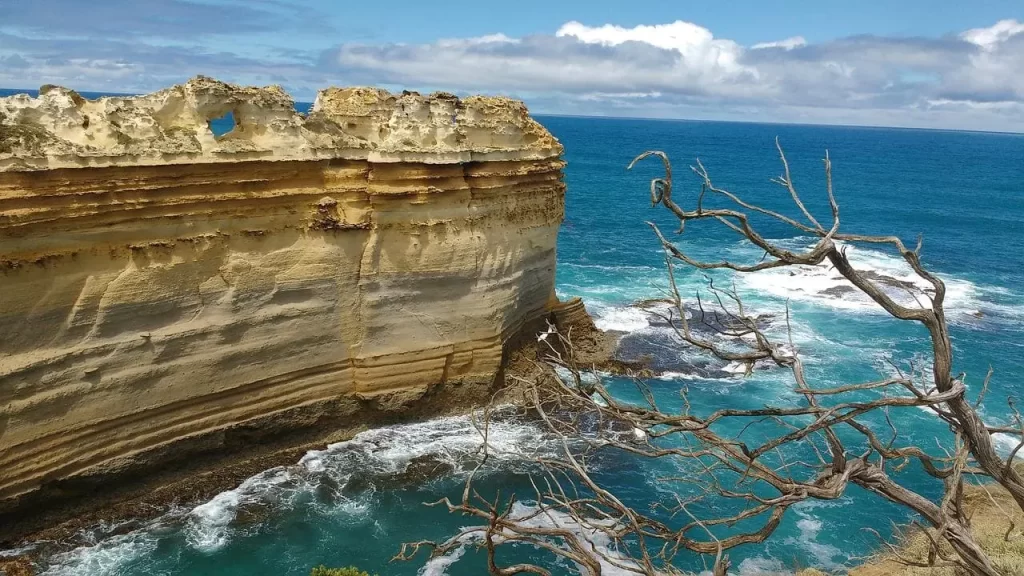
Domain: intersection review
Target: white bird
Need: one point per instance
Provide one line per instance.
(639, 434)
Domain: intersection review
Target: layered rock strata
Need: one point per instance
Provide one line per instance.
(166, 292)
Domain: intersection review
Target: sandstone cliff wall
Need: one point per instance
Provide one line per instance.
(161, 288)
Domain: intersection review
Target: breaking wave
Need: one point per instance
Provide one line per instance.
(822, 285)
(340, 478)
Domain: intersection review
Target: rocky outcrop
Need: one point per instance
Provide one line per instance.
(165, 292)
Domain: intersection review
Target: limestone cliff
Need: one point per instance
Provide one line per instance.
(164, 291)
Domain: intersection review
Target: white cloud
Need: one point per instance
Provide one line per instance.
(787, 44)
(671, 58)
(97, 72)
(679, 36)
(696, 44)
(974, 79)
(682, 69)
(488, 39)
(992, 36)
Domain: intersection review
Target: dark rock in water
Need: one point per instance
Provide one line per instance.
(652, 302)
(420, 470)
(357, 483)
(894, 282)
(707, 322)
(903, 286)
(118, 529)
(660, 349)
(838, 291)
(592, 423)
(251, 513)
(423, 469)
(327, 489)
(663, 351)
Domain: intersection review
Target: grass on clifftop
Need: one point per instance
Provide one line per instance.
(997, 523)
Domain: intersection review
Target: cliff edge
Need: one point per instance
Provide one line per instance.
(167, 295)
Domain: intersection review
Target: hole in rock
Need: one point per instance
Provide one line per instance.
(223, 125)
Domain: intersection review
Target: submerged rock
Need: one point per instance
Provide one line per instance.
(659, 349)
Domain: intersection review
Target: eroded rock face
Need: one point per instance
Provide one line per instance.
(161, 288)
(60, 129)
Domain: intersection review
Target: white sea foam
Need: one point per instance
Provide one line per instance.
(588, 534)
(676, 376)
(823, 285)
(586, 377)
(1006, 443)
(439, 566)
(107, 558)
(824, 556)
(619, 268)
(761, 566)
(208, 526)
(621, 319)
(380, 453)
(737, 368)
(15, 552)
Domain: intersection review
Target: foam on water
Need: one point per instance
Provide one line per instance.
(380, 453)
(761, 566)
(586, 377)
(810, 526)
(438, 566)
(19, 551)
(823, 285)
(608, 295)
(1006, 443)
(676, 376)
(588, 534)
(737, 368)
(620, 318)
(107, 557)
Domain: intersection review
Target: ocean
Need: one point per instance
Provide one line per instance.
(356, 502)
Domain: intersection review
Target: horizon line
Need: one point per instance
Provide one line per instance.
(611, 117)
(781, 123)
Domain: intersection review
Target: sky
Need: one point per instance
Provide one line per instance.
(915, 63)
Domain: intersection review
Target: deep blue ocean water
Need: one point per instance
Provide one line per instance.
(963, 191)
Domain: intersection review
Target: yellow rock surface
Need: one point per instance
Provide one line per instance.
(158, 284)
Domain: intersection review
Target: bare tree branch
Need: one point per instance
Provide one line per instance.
(743, 483)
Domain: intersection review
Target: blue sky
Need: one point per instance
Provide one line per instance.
(938, 63)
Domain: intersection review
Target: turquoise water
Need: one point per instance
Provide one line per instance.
(351, 504)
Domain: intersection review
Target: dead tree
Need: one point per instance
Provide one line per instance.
(824, 443)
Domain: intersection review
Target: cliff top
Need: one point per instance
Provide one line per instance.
(61, 129)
